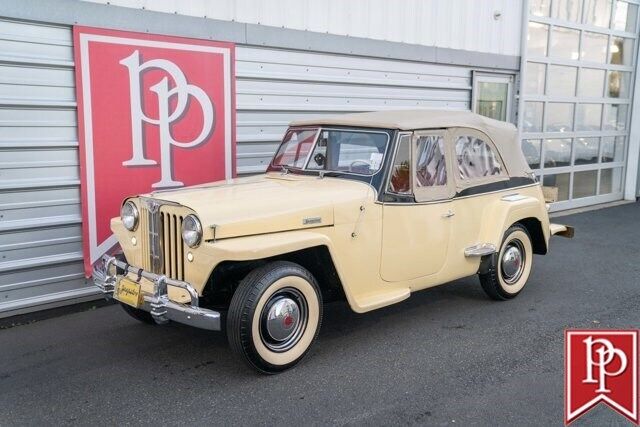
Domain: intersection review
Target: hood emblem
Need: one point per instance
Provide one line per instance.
(312, 220)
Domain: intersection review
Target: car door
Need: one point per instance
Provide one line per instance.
(418, 212)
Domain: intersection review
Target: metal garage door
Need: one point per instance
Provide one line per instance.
(40, 237)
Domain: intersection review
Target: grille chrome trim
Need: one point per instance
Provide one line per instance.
(155, 236)
(163, 249)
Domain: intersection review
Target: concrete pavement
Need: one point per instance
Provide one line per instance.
(446, 356)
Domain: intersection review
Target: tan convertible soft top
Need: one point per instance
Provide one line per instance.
(504, 135)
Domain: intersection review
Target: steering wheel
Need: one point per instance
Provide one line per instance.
(361, 162)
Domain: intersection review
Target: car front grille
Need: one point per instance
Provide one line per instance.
(163, 249)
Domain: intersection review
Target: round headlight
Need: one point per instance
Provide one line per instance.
(129, 216)
(191, 231)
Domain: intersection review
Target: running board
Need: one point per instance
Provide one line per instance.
(481, 249)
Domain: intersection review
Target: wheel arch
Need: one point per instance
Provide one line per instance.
(534, 228)
(226, 275)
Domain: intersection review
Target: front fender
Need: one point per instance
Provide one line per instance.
(261, 246)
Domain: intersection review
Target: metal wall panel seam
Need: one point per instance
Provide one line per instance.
(24, 264)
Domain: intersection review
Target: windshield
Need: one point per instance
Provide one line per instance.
(350, 151)
(295, 148)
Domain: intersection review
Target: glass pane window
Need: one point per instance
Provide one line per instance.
(564, 43)
(621, 51)
(619, 84)
(584, 183)
(539, 7)
(562, 80)
(557, 152)
(610, 181)
(535, 75)
(476, 158)
(431, 168)
(533, 116)
(558, 182)
(612, 149)
(615, 117)
(400, 181)
(492, 100)
(586, 150)
(569, 10)
(537, 39)
(348, 151)
(531, 150)
(559, 117)
(625, 17)
(588, 117)
(594, 47)
(295, 148)
(591, 82)
(597, 12)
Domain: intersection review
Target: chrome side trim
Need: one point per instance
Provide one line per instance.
(481, 249)
(158, 304)
(513, 197)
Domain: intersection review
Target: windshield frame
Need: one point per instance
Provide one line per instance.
(315, 142)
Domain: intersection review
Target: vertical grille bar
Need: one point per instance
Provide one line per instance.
(180, 253)
(174, 248)
(154, 228)
(165, 241)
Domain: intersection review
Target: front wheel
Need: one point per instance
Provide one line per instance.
(274, 316)
(510, 267)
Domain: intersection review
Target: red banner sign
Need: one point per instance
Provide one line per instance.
(601, 366)
(154, 112)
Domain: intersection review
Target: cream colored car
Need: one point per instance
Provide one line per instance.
(369, 207)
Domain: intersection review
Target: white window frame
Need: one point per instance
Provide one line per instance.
(484, 77)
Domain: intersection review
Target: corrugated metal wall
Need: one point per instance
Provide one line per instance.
(276, 86)
(40, 219)
(457, 24)
(40, 237)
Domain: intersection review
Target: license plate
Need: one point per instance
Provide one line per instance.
(128, 292)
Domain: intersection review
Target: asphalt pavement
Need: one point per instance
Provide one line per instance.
(446, 356)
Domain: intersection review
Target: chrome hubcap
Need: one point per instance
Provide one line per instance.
(512, 262)
(283, 320)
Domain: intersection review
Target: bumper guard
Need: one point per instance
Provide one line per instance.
(158, 304)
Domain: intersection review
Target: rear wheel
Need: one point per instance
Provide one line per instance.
(275, 316)
(510, 267)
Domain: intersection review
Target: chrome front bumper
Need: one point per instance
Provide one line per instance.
(158, 304)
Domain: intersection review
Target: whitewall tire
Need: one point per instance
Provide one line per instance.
(275, 316)
(511, 266)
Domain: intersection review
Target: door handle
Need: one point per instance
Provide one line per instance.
(448, 214)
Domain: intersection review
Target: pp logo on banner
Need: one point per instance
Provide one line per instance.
(601, 366)
(155, 112)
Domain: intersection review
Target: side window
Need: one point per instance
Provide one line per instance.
(476, 158)
(431, 168)
(400, 180)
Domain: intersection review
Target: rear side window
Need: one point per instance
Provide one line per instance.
(476, 158)
(431, 168)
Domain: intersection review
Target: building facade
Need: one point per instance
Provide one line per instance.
(562, 70)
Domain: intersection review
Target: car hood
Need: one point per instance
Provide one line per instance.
(265, 203)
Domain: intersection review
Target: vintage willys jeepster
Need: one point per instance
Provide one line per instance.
(369, 207)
